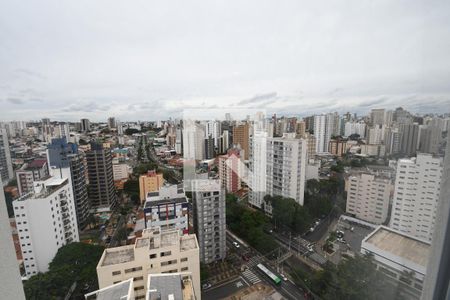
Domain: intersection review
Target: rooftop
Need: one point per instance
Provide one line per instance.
(118, 255)
(37, 163)
(169, 286)
(151, 239)
(118, 291)
(400, 245)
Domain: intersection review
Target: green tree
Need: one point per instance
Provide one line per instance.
(75, 262)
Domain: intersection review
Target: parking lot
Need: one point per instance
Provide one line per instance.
(353, 237)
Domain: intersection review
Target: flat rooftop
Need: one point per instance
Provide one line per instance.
(118, 255)
(118, 291)
(170, 286)
(150, 202)
(400, 245)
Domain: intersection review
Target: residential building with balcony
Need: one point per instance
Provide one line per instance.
(230, 166)
(209, 219)
(155, 252)
(46, 220)
(167, 209)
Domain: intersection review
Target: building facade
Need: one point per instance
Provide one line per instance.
(6, 169)
(167, 209)
(229, 170)
(29, 173)
(62, 155)
(416, 195)
(241, 137)
(209, 219)
(149, 182)
(155, 252)
(46, 220)
(368, 196)
(102, 191)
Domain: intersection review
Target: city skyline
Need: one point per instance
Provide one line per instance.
(151, 60)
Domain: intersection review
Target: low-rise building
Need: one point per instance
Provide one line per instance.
(399, 256)
(29, 173)
(154, 253)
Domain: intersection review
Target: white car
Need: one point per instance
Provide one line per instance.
(283, 277)
(236, 244)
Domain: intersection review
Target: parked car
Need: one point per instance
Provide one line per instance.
(206, 286)
(236, 244)
(283, 277)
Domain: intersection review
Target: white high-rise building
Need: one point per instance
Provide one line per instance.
(355, 128)
(286, 167)
(46, 220)
(258, 167)
(376, 135)
(368, 196)
(278, 168)
(320, 133)
(416, 195)
(6, 169)
(193, 141)
(9, 272)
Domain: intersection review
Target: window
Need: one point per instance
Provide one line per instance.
(184, 269)
(184, 259)
(115, 273)
(133, 270)
(166, 253)
(138, 278)
(152, 256)
(138, 288)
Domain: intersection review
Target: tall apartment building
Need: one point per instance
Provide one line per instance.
(320, 133)
(12, 287)
(377, 116)
(376, 134)
(29, 173)
(6, 169)
(286, 167)
(167, 209)
(258, 168)
(209, 219)
(230, 166)
(102, 191)
(355, 128)
(392, 140)
(430, 138)
(368, 196)
(155, 252)
(46, 220)
(62, 155)
(310, 145)
(149, 182)
(112, 123)
(193, 141)
(85, 125)
(409, 139)
(241, 137)
(417, 189)
(338, 147)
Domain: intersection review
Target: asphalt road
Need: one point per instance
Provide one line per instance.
(225, 290)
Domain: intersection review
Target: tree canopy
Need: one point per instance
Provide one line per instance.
(75, 262)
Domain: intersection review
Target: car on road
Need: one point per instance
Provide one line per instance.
(236, 245)
(206, 286)
(310, 247)
(283, 277)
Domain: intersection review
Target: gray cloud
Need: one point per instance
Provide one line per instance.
(258, 98)
(15, 101)
(317, 57)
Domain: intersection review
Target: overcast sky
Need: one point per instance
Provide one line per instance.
(148, 60)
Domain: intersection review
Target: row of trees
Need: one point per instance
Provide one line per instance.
(354, 278)
(319, 201)
(249, 224)
(75, 262)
